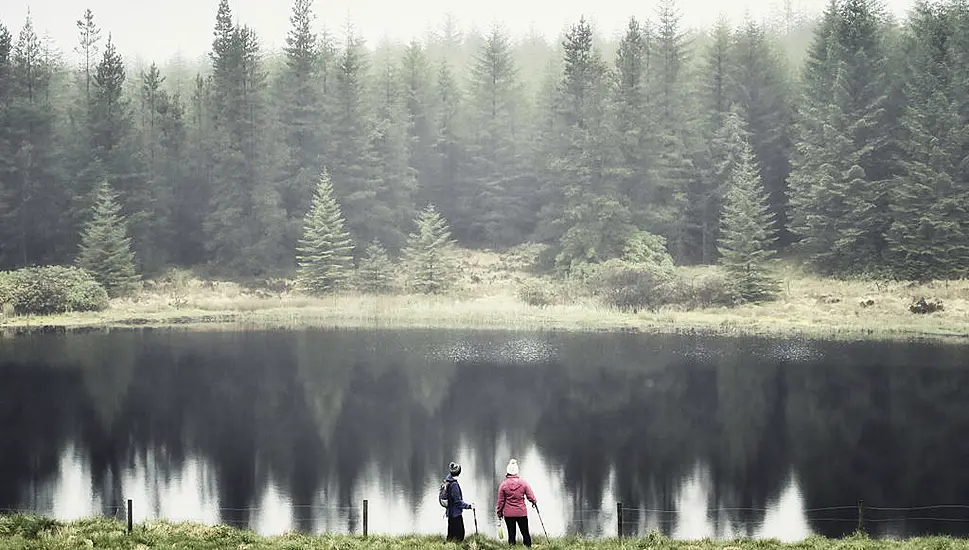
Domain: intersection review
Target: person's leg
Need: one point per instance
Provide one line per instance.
(451, 530)
(460, 528)
(510, 524)
(526, 536)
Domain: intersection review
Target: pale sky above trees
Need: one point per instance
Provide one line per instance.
(161, 30)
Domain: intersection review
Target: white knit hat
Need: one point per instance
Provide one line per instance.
(512, 467)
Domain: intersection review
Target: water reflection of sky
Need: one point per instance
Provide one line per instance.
(280, 431)
(190, 494)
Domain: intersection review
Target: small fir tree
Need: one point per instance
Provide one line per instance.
(324, 253)
(106, 247)
(747, 231)
(429, 265)
(376, 272)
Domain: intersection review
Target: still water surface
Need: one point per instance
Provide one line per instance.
(697, 437)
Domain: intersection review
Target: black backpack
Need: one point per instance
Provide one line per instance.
(444, 494)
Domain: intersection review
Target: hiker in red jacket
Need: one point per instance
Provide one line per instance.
(511, 503)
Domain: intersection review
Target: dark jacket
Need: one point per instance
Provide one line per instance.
(456, 504)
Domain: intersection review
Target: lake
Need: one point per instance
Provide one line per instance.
(696, 436)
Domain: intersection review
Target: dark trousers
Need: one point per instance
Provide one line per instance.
(455, 529)
(523, 525)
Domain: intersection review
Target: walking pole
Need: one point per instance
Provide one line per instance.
(540, 520)
(474, 512)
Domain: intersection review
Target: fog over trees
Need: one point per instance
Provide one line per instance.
(853, 129)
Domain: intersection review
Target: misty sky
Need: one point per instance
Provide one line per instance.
(158, 30)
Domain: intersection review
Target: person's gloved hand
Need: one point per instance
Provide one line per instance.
(469, 505)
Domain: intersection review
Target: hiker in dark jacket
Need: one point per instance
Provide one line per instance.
(456, 504)
(511, 503)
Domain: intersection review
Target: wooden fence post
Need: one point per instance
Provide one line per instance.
(619, 519)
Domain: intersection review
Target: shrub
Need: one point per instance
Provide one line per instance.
(537, 293)
(529, 257)
(633, 286)
(8, 286)
(52, 289)
(708, 289)
(87, 295)
(645, 248)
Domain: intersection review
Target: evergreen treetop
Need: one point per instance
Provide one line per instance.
(748, 230)
(427, 253)
(105, 246)
(324, 253)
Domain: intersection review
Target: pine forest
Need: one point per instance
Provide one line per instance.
(839, 141)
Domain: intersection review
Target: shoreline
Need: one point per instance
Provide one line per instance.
(500, 313)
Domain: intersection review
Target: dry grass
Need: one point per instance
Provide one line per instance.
(486, 296)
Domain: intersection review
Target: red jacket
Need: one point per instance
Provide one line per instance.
(511, 497)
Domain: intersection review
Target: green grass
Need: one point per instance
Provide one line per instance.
(23, 531)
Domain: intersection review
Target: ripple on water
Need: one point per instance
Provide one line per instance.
(796, 351)
(517, 351)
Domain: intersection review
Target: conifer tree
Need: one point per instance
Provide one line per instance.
(325, 251)
(675, 131)
(105, 246)
(726, 153)
(34, 197)
(300, 91)
(418, 85)
(89, 35)
(354, 167)
(427, 253)
(7, 166)
(748, 231)
(246, 223)
(704, 189)
(193, 197)
(597, 223)
(760, 86)
(113, 154)
(395, 179)
(495, 146)
(847, 121)
(448, 191)
(929, 236)
(375, 273)
(635, 122)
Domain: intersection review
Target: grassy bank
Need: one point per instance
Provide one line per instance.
(36, 532)
(487, 296)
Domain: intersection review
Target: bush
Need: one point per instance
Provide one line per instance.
(633, 286)
(645, 248)
(711, 288)
(87, 295)
(537, 293)
(52, 289)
